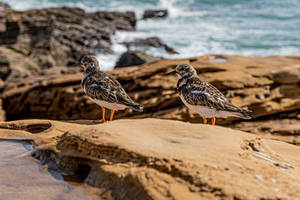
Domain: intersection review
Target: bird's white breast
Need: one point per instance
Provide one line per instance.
(207, 112)
(82, 79)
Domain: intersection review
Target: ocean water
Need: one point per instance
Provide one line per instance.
(198, 27)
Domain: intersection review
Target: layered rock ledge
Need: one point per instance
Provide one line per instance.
(256, 83)
(164, 159)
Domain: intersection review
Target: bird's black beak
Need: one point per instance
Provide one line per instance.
(171, 72)
(76, 64)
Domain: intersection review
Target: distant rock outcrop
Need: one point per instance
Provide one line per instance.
(155, 14)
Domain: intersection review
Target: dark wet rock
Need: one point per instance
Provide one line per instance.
(155, 14)
(144, 44)
(59, 36)
(131, 58)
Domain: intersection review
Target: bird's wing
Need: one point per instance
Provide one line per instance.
(199, 92)
(103, 87)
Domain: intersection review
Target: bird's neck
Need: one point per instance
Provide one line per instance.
(189, 75)
(90, 70)
(184, 80)
(181, 83)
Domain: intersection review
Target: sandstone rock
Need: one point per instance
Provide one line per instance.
(283, 129)
(131, 58)
(58, 36)
(287, 75)
(16, 65)
(246, 81)
(155, 14)
(130, 159)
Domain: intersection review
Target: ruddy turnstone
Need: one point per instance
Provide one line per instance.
(204, 98)
(104, 90)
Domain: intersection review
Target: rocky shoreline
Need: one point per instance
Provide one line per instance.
(38, 80)
(50, 41)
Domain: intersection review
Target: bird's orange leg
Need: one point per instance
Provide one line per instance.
(111, 115)
(213, 121)
(204, 121)
(103, 116)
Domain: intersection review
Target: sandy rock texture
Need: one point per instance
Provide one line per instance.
(256, 83)
(2, 112)
(43, 42)
(164, 159)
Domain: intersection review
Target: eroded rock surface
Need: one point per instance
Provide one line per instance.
(165, 159)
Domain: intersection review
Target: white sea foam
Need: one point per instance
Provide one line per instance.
(108, 61)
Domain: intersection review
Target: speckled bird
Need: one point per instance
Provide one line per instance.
(103, 89)
(204, 98)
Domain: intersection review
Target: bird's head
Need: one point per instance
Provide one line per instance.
(184, 70)
(89, 63)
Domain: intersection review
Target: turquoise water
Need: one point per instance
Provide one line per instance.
(197, 27)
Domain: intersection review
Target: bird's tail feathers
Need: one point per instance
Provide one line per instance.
(245, 114)
(129, 103)
(136, 107)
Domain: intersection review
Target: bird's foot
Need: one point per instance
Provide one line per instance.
(101, 121)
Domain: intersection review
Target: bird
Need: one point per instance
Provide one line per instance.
(103, 89)
(203, 98)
